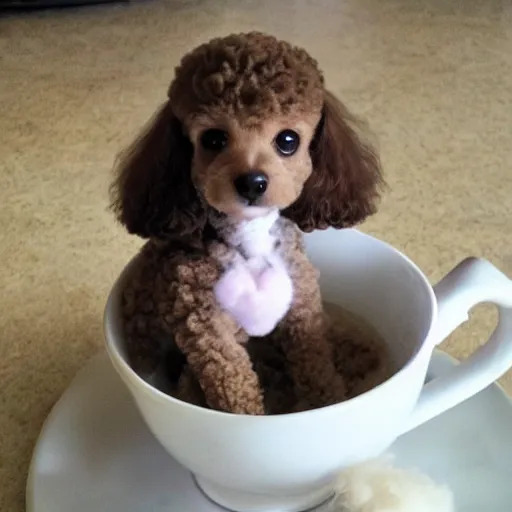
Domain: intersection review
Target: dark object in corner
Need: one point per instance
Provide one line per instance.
(38, 4)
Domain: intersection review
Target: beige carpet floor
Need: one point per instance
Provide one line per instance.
(433, 77)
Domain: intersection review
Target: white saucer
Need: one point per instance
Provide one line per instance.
(96, 454)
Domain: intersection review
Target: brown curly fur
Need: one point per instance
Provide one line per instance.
(169, 190)
(253, 76)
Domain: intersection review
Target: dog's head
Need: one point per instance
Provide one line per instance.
(248, 128)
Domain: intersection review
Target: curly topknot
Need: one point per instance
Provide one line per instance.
(247, 75)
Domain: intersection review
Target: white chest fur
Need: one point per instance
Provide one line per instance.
(254, 237)
(257, 289)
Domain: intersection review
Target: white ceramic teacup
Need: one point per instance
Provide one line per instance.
(288, 462)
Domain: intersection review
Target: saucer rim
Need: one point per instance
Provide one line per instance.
(30, 498)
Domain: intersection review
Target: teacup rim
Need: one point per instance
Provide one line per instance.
(126, 372)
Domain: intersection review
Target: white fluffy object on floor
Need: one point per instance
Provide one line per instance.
(378, 486)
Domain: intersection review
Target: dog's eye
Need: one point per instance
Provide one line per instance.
(287, 142)
(214, 140)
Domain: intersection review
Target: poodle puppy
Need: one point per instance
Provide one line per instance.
(249, 151)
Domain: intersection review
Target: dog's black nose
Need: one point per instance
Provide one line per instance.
(251, 185)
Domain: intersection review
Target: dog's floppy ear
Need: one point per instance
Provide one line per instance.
(153, 194)
(344, 185)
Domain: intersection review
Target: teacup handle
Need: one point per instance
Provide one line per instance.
(472, 282)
